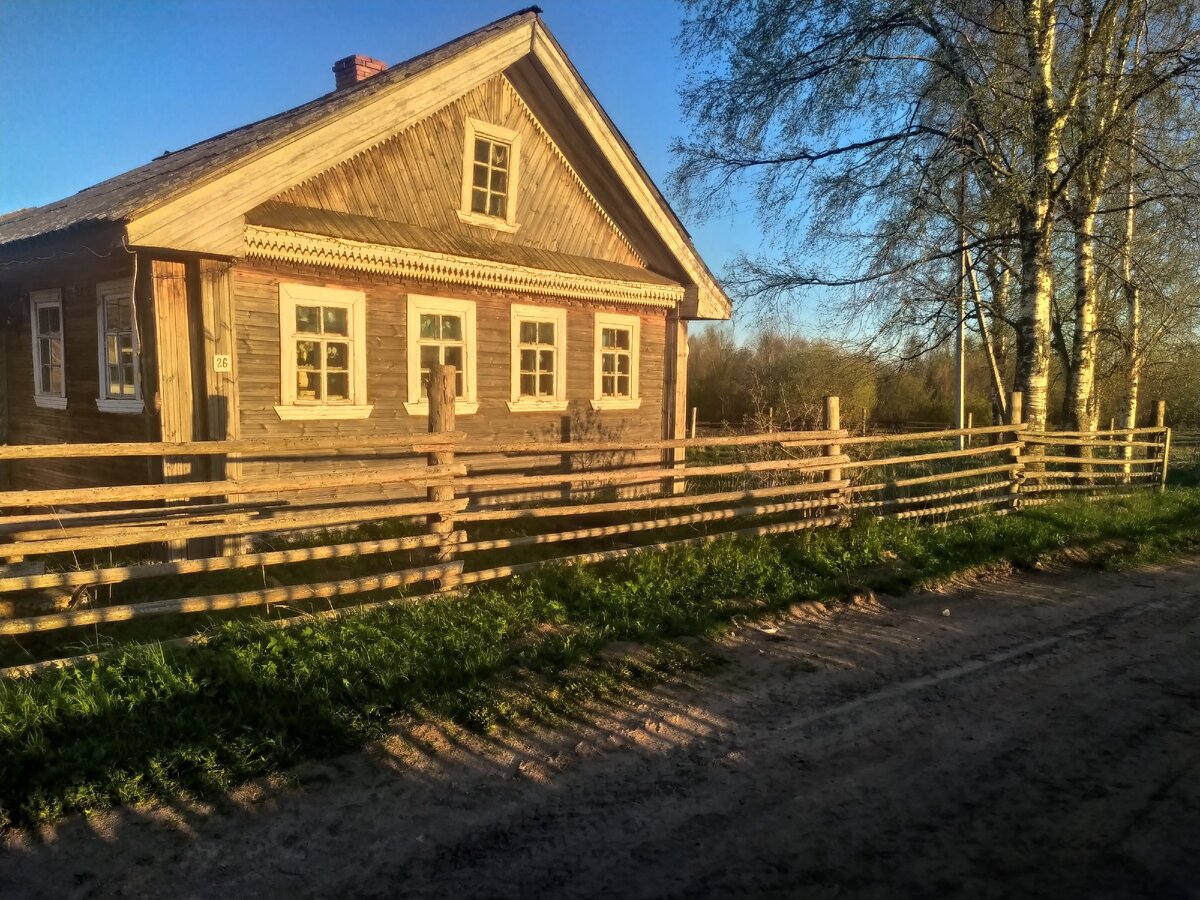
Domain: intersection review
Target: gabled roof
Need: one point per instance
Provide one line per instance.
(138, 190)
(194, 199)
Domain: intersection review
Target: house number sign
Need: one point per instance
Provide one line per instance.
(222, 362)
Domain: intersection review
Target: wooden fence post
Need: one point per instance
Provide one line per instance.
(441, 421)
(833, 422)
(1016, 419)
(1162, 455)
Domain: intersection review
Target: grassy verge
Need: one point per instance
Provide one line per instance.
(255, 699)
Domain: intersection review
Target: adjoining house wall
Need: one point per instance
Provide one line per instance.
(77, 277)
(256, 305)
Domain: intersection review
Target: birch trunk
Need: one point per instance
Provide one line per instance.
(1081, 376)
(1033, 323)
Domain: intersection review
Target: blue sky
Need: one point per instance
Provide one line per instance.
(91, 89)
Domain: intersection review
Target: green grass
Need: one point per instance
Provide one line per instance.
(255, 699)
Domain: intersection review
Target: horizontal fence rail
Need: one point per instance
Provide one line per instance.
(293, 527)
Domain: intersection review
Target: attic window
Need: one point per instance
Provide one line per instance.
(490, 168)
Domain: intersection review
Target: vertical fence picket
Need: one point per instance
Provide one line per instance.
(1016, 417)
(833, 422)
(441, 421)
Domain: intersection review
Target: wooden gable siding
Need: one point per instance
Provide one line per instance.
(416, 178)
(256, 302)
(81, 421)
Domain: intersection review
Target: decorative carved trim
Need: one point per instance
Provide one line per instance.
(338, 253)
(516, 97)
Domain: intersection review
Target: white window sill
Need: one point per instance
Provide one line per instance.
(617, 403)
(529, 405)
(128, 405)
(318, 412)
(49, 401)
(474, 218)
(461, 407)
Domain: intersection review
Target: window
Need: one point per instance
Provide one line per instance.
(440, 331)
(539, 355)
(119, 350)
(49, 372)
(616, 363)
(323, 364)
(491, 158)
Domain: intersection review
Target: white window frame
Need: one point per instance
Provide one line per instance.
(488, 131)
(105, 402)
(421, 303)
(634, 325)
(39, 300)
(290, 407)
(557, 317)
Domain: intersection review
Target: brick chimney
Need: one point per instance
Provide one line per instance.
(354, 69)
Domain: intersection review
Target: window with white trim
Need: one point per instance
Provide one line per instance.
(491, 164)
(617, 339)
(49, 367)
(441, 331)
(323, 353)
(539, 358)
(119, 356)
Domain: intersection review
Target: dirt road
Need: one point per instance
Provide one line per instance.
(1041, 740)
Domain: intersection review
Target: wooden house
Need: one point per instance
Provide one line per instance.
(297, 277)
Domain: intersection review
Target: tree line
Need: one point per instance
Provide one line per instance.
(1028, 167)
(777, 381)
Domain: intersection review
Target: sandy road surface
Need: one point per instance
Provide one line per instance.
(1043, 740)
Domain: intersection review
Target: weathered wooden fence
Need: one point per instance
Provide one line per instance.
(441, 511)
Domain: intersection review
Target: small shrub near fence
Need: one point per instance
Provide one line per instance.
(442, 512)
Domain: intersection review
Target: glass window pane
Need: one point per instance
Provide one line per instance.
(479, 178)
(451, 328)
(43, 380)
(110, 349)
(429, 356)
(336, 319)
(546, 384)
(127, 382)
(114, 380)
(623, 386)
(307, 355)
(453, 356)
(546, 360)
(308, 385)
(528, 360)
(529, 332)
(479, 201)
(622, 335)
(500, 155)
(606, 385)
(527, 385)
(482, 150)
(337, 356)
(55, 319)
(608, 362)
(623, 364)
(499, 182)
(338, 386)
(43, 320)
(429, 325)
(545, 332)
(55, 380)
(308, 319)
(608, 337)
(458, 384)
(497, 207)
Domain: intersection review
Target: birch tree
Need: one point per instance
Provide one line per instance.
(840, 114)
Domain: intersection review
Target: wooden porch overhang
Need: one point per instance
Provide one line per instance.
(284, 233)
